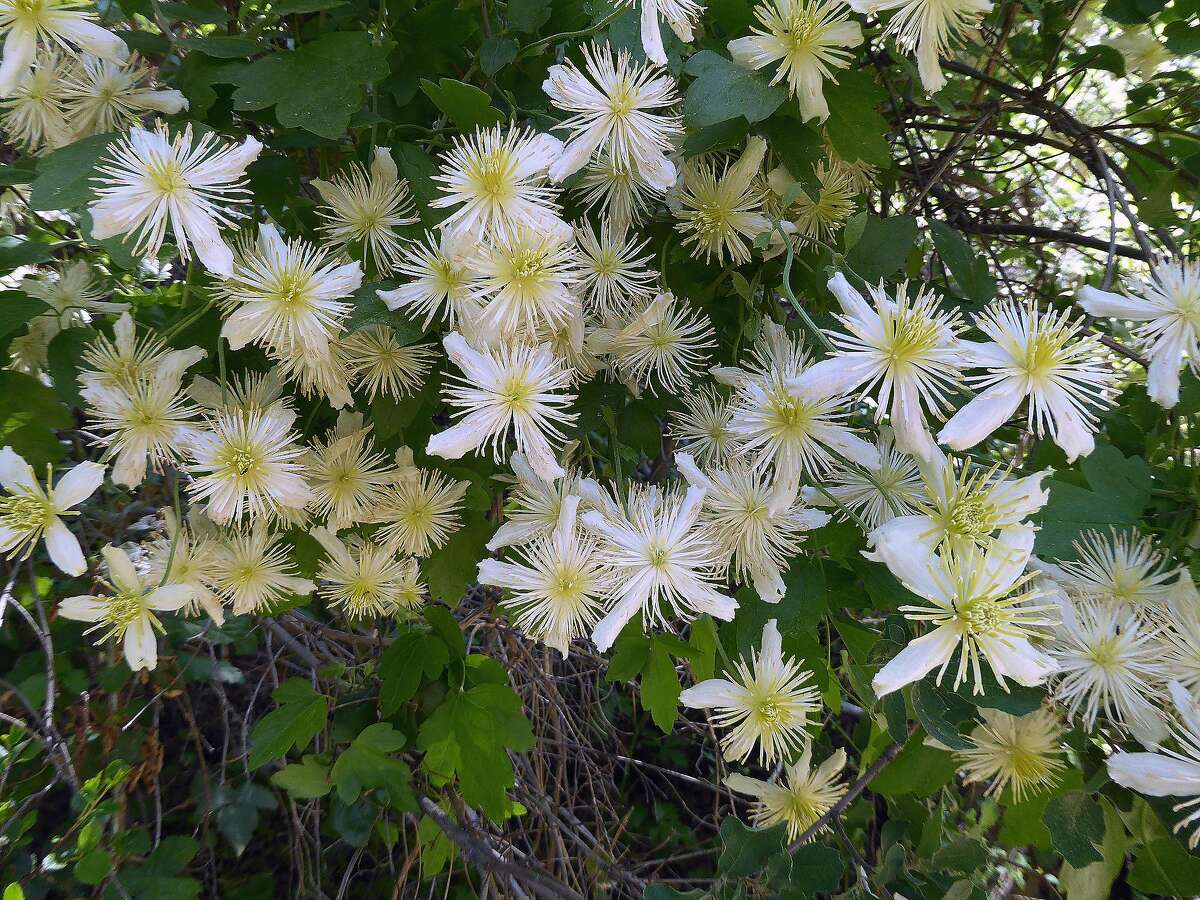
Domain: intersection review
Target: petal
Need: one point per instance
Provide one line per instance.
(768, 583)
(141, 647)
(1154, 774)
(607, 629)
(848, 298)
(120, 569)
(171, 597)
(95, 40)
(713, 692)
(908, 422)
(15, 474)
(1017, 659)
(832, 377)
(651, 35)
(906, 545)
(743, 784)
(84, 608)
(982, 415)
(1107, 305)
(20, 47)
(1166, 358)
(915, 661)
(1008, 557)
(77, 485)
(64, 550)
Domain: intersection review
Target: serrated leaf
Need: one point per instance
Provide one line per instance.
(367, 764)
(466, 105)
(63, 177)
(746, 850)
(660, 687)
(300, 717)
(403, 665)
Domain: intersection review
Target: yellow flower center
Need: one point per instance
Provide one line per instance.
(120, 611)
(166, 176)
(25, 513)
(979, 616)
(971, 517)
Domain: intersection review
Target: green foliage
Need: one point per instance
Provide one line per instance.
(300, 717)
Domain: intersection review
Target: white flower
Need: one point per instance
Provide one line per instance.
(755, 521)
(962, 505)
(816, 218)
(127, 614)
(27, 23)
(876, 494)
(981, 605)
(186, 555)
(1179, 619)
(126, 359)
(30, 513)
(284, 295)
(907, 349)
(796, 433)
(719, 214)
(345, 473)
(557, 584)
(517, 388)
(664, 344)
(617, 190)
(1119, 569)
(1168, 772)
(149, 180)
(681, 15)
(365, 580)
(524, 283)
(254, 570)
(72, 293)
(441, 279)
(615, 108)
(1143, 52)
(420, 510)
(35, 113)
(250, 392)
(769, 702)
(664, 564)
(497, 179)
(137, 397)
(1042, 355)
(1109, 661)
(363, 207)
(705, 429)
(534, 505)
(105, 96)
(1021, 752)
(384, 366)
(928, 26)
(612, 268)
(804, 797)
(1169, 305)
(809, 39)
(248, 464)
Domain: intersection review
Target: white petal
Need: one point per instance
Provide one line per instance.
(170, 597)
(1017, 659)
(120, 569)
(1107, 305)
(915, 661)
(610, 626)
(64, 549)
(982, 415)
(713, 692)
(15, 473)
(743, 784)
(832, 377)
(1154, 774)
(905, 545)
(20, 47)
(84, 608)
(77, 485)
(141, 647)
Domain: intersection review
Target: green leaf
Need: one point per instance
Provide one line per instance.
(305, 780)
(29, 413)
(411, 657)
(300, 7)
(940, 713)
(970, 271)
(724, 90)
(200, 12)
(1131, 12)
(631, 650)
(660, 687)
(454, 566)
(815, 868)
(746, 850)
(1119, 491)
(963, 855)
(366, 764)
(16, 252)
(883, 247)
(1182, 38)
(63, 179)
(528, 15)
(1094, 881)
(317, 87)
(300, 717)
(466, 105)
(1165, 867)
(63, 357)
(919, 770)
(16, 309)
(798, 146)
(370, 310)
(855, 127)
(238, 812)
(496, 53)
(220, 46)
(1076, 824)
(93, 866)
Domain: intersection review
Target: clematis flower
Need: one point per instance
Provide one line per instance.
(534, 505)
(30, 513)
(366, 580)
(1168, 772)
(522, 388)
(770, 702)
(930, 27)
(128, 613)
(615, 108)
(720, 213)
(876, 494)
(440, 280)
(150, 180)
(905, 348)
(1144, 54)
(103, 95)
(681, 16)
(1023, 753)
(664, 564)
(979, 604)
(803, 797)
(1041, 355)
(1169, 305)
(809, 39)
(25, 25)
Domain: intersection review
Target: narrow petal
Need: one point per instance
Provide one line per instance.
(713, 692)
(1154, 774)
(915, 661)
(77, 485)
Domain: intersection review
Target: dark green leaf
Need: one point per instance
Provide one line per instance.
(16, 309)
(305, 780)
(300, 717)
(724, 90)
(883, 247)
(466, 105)
(660, 687)
(940, 713)
(855, 127)
(970, 271)
(1076, 824)
(63, 176)
(746, 850)
(411, 657)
